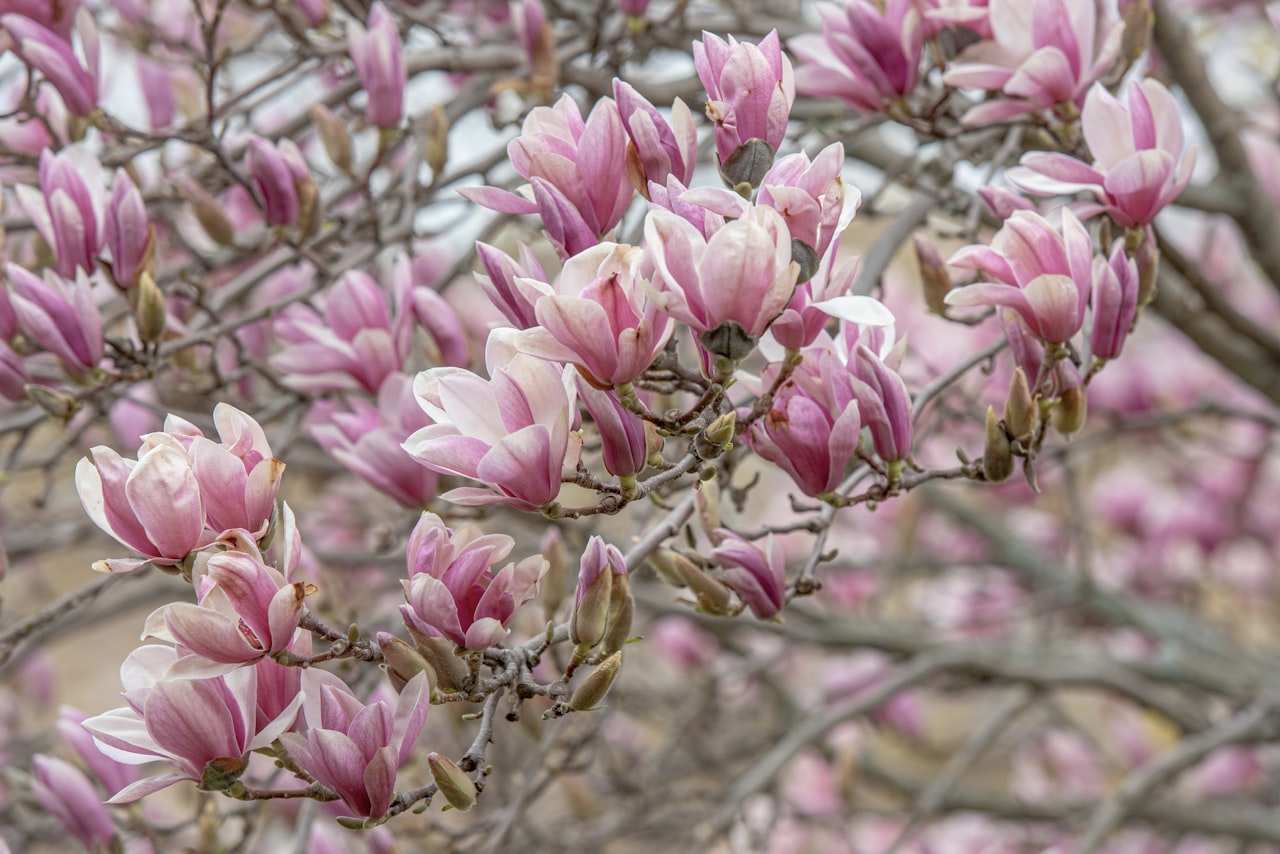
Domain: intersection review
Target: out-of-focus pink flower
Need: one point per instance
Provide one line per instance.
(1060, 766)
(865, 56)
(417, 278)
(633, 8)
(359, 340)
(810, 438)
(750, 90)
(60, 316)
(1226, 772)
(113, 775)
(157, 80)
(803, 320)
(660, 148)
(246, 611)
(811, 196)
(13, 374)
(356, 748)
(129, 233)
(510, 432)
(57, 17)
(275, 171)
(1044, 54)
(623, 446)
(452, 590)
(1115, 302)
(67, 795)
(315, 11)
(500, 283)
(743, 274)
(379, 63)
(599, 316)
(971, 14)
(1140, 161)
(1041, 272)
(205, 727)
(1002, 202)
(51, 54)
(574, 168)
(758, 575)
(67, 210)
(369, 439)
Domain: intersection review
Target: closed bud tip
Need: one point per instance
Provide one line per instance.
(593, 689)
(997, 453)
(458, 789)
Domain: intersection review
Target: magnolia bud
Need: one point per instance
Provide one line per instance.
(997, 454)
(591, 611)
(934, 278)
(1147, 259)
(452, 673)
(594, 688)
(334, 136)
(555, 581)
(309, 210)
(148, 310)
(458, 789)
(717, 438)
(707, 499)
(403, 661)
(56, 402)
(435, 139)
(209, 214)
(1019, 408)
(622, 607)
(712, 596)
(1069, 414)
(747, 165)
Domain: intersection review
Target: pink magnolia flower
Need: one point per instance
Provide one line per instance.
(129, 233)
(67, 795)
(1041, 272)
(368, 439)
(358, 340)
(51, 54)
(510, 432)
(1140, 162)
(113, 775)
(57, 17)
(811, 196)
(576, 182)
(379, 63)
(204, 727)
(1043, 54)
(246, 611)
(237, 475)
(599, 316)
(872, 358)
(622, 438)
(600, 565)
(67, 210)
(275, 171)
(452, 591)
(356, 748)
(61, 316)
(1115, 302)
(13, 374)
(758, 575)
(811, 439)
(500, 283)
(971, 14)
(742, 274)
(866, 56)
(803, 320)
(660, 148)
(750, 90)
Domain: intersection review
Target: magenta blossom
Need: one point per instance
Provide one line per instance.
(623, 446)
(750, 90)
(865, 56)
(758, 575)
(60, 316)
(511, 432)
(129, 233)
(500, 283)
(600, 316)
(356, 748)
(577, 182)
(51, 54)
(1043, 273)
(742, 274)
(276, 173)
(1115, 302)
(811, 196)
(67, 210)
(1044, 54)
(247, 610)
(452, 590)
(379, 63)
(660, 148)
(1140, 161)
(205, 727)
(66, 794)
(368, 439)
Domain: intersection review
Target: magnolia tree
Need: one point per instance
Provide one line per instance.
(570, 426)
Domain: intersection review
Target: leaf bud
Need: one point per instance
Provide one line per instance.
(458, 788)
(593, 689)
(997, 454)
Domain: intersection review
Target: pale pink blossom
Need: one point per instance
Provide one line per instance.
(67, 210)
(750, 89)
(1140, 165)
(379, 63)
(61, 316)
(52, 55)
(661, 148)
(758, 574)
(66, 794)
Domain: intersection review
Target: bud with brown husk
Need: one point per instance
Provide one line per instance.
(435, 140)
(1019, 407)
(997, 453)
(712, 596)
(403, 661)
(452, 673)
